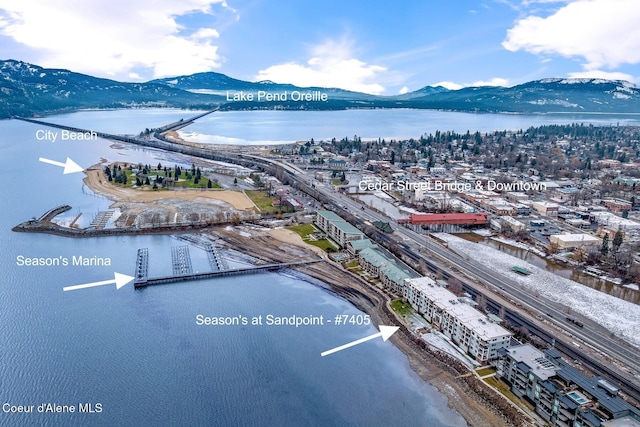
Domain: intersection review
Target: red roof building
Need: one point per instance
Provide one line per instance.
(447, 219)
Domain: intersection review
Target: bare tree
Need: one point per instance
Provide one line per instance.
(482, 303)
(455, 286)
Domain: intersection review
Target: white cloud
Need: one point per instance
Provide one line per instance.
(112, 38)
(332, 64)
(496, 81)
(603, 33)
(205, 33)
(449, 85)
(598, 74)
(528, 3)
(404, 90)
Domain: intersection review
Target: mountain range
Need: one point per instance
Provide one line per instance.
(28, 90)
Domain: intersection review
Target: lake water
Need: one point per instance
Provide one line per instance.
(139, 353)
(265, 127)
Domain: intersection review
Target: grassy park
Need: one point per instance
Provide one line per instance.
(157, 177)
(306, 231)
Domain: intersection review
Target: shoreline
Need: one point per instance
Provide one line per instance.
(98, 183)
(466, 394)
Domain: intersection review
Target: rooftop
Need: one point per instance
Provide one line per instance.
(534, 359)
(361, 244)
(464, 313)
(576, 237)
(612, 404)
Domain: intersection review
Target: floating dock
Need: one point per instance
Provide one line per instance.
(139, 283)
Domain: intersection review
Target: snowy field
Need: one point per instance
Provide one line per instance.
(619, 316)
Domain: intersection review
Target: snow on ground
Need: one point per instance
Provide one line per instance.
(619, 316)
(439, 341)
(519, 245)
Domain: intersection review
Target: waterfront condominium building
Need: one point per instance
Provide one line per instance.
(560, 393)
(336, 228)
(468, 328)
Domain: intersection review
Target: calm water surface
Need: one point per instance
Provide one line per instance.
(140, 353)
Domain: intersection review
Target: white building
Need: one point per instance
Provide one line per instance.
(513, 223)
(546, 208)
(468, 328)
(615, 222)
(572, 241)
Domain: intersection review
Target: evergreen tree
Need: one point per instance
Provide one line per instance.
(209, 184)
(604, 250)
(617, 241)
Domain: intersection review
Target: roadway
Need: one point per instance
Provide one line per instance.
(412, 243)
(420, 247)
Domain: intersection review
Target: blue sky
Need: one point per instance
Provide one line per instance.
(370, 46)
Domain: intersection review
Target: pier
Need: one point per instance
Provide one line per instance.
(142, 266)
(215, 260)
(181, 261)
(219, 273)
(52, 213)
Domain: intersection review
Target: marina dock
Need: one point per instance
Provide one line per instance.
(143, 281)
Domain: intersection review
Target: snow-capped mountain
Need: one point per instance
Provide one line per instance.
(27, 89)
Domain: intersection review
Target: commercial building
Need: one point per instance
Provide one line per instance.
(615, 222)
(447, 219)
(468, 328)
(336, 228)
(572, 241)
(617, 205)
(561, 394)
(516, 196)
(546, 208)
(513, 223)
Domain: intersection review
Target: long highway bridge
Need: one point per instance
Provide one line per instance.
(417, 248)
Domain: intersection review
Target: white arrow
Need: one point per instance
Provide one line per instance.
(385, 333)
(119, 279)
(69, 167)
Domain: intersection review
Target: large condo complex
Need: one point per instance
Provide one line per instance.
(468, 328)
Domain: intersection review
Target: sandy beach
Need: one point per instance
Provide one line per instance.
(97, 181)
